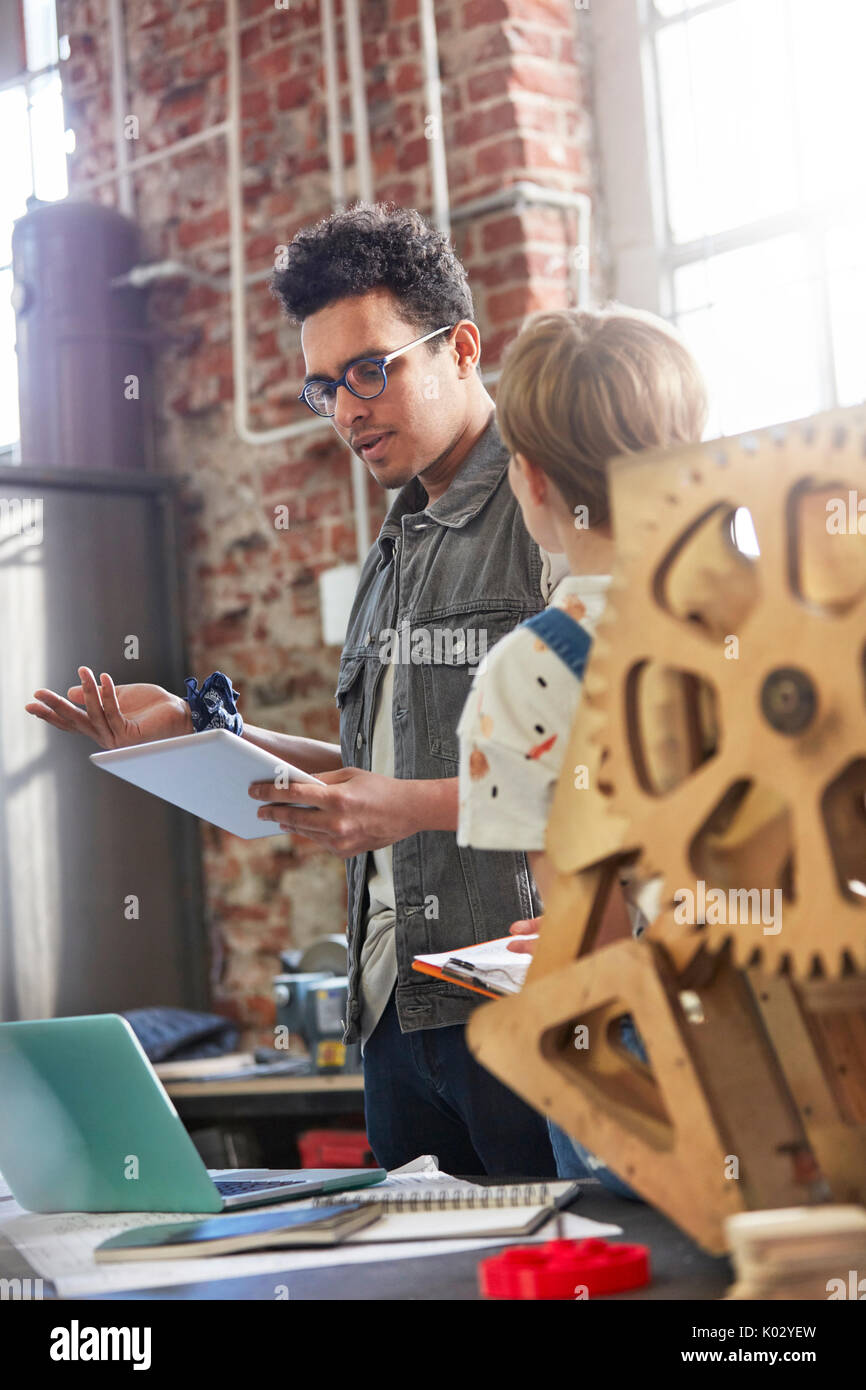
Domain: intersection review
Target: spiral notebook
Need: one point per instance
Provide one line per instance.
(452, 1212)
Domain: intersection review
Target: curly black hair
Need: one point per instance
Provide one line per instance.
(376, 246)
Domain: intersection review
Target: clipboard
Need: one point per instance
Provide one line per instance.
(440, 973)
(473, 966)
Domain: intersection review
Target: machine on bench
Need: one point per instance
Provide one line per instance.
(311, 996)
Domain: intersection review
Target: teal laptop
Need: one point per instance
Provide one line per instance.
(86, 1125)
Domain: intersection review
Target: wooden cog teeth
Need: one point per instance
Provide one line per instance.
(756, 471)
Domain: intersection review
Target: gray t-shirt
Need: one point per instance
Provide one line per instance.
(379, 950)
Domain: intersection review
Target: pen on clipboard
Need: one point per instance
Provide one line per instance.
(464, 970)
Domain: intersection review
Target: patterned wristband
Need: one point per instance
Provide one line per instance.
(213, 707)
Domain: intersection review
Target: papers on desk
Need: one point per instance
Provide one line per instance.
(233, 1066)
(60, 1247)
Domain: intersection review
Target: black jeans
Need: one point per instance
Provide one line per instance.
(424, 1093)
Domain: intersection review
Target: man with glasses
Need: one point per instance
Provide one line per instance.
(392, 353)
(364, 379)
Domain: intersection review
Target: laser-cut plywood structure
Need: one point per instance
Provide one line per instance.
(723, 730)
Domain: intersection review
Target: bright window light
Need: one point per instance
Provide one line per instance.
(34, 143)
(40, 28)
(47, 129)
(15, 185)
(752, 317)
(846, 266)
(726, 113)
(758, 112)
(8, 375)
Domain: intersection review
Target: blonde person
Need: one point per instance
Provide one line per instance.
(578, 387)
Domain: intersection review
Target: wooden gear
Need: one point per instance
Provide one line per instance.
(721, 739)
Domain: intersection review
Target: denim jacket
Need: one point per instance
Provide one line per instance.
(441, 585)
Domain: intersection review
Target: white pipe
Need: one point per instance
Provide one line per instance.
(521, 193)
(154, 157)
(332, 99)
(16, 81)
(237, 271)
(361, 505)
(237, 264)
(525, 193)
(125, 197)
(237, 256)
(433, 90)
(364, 170)
(31, 152)
(146, 274)
(357, 84)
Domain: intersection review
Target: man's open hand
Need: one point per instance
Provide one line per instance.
(355, 810)
(114, 716)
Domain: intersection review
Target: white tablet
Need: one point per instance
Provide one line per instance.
(208, 774)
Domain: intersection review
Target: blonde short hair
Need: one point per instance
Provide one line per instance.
(580, 386)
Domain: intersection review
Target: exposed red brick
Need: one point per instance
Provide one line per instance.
(502, 229)
(514, 303)
(501, 157)
(493, 82)
(483, 124)
(209, 228)
(255, 103)
(408, 77)
(295, 91)
(322, 505)
(413, 154)
(513, 109)
(284, 479)
(342, 541)
(486, 12)
(275, 62)
(204, 60)
(551, 80)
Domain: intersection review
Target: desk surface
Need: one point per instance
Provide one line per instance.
(680, 1269)
(255, 1098)
(267, 1085)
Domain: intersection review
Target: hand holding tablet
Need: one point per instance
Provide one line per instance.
(208, 774)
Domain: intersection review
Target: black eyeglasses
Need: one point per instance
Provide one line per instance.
(365, 378)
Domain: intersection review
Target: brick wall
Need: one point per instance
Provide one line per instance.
(515, 81)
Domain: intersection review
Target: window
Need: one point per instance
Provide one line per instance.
(751, 230)
(34, 165)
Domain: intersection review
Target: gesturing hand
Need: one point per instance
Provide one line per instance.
(113, 716)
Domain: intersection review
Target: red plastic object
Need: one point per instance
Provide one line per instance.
(335, 1148)
(564, 1269)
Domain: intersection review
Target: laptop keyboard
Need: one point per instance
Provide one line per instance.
(235, 1189)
